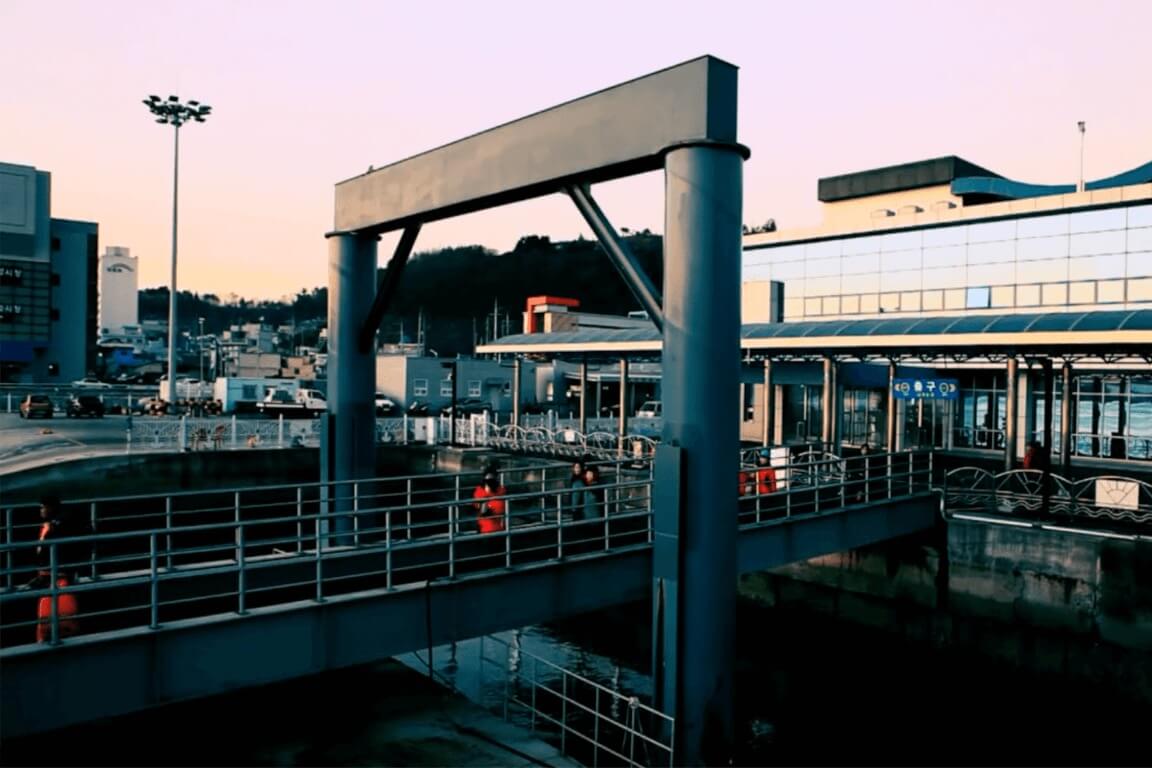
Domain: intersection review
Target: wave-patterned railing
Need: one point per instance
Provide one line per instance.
(1021, 492)
(568, 443)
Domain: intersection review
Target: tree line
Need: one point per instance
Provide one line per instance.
(450, 293)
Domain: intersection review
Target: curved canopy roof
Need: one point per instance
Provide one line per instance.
(1098, 332)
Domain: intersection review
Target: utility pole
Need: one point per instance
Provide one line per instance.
(1081, 126)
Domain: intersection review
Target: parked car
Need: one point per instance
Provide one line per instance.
(652, 409)
(36, 405)
(85, 405)
(469, 406)
(384, 405)
(90, 381)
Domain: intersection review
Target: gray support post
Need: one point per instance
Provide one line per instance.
(1010, 414)
(516, 392)
(583, 397)
(350, 437)
(702, 249)
(826, 404)
(836, 415)
(769, 406)
(1066, 426)
(622, 420)
(890, 427)
(1049, 396)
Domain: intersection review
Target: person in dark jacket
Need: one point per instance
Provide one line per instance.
(576, 487)
(592, 500)
(59, 522)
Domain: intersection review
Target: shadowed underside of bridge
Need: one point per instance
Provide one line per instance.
(98, 676)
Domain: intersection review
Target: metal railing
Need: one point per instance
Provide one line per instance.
(586, 720)
(1032, 495)
(161, 559)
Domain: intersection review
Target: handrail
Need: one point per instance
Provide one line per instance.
(393, 537)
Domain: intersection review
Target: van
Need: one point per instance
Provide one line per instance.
(650, 410)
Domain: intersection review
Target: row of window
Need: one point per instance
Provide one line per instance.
(813, 279)
(1064, 259)
(1120, 230)
(1084, 293)
(420, 387)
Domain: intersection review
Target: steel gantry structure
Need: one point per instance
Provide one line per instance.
(681, 120)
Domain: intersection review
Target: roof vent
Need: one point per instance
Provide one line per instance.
(909, 209)
(883, 213)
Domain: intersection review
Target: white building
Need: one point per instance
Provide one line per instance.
(119, 284)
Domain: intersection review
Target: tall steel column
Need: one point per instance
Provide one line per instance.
(350, 429)
(1010, 398)
(1066, 426)
(516, 392)
(890, 427)
(583, 397)
(622, 421)
(695, 562)
(826, 401)
(1049, 396)
(769, 406)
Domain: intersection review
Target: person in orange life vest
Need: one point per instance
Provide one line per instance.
(490, 505)
(67, 609)
(765, 474)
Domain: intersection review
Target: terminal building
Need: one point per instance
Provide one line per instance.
(48, 284)
(1020, 301)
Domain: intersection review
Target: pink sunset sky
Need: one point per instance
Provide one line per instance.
(306, 94)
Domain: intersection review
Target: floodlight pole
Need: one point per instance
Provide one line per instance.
(175, 113)
(172, 283)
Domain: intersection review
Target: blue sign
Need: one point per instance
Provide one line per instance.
(925, 389)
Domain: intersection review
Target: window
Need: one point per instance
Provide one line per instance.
(1111, 417)
(446, 387)
(507, 389)
(55, 244)
(978, 298)
(474, 388)
(420, 387)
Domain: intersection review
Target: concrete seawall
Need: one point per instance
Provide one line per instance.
(1054, 603)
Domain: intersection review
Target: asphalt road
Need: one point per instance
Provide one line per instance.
(21, 439)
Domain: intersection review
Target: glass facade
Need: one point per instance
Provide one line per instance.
(1112, 414)
(1083, 259)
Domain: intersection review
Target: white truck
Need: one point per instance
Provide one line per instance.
(304, 403)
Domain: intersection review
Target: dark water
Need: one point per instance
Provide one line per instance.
(810, 691)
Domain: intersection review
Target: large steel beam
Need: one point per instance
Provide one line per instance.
(619, 131)
(702, 236)
(387, 289)
(349, 439)
(622, 257)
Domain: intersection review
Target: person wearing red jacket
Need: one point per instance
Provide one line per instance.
(489, 503)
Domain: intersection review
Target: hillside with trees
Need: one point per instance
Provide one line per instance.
(454, 290)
